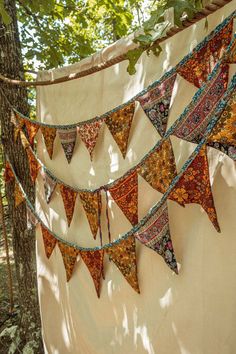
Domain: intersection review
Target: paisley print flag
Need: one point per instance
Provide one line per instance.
(19, 198)
(125, 194)
(201, 63)
(156, 104)
(49, 135)
(32, 130)
(49, 186)
(119, 124)
(123, 255)
(8, 173)
(231, 55)
(223, 135)
(91, 203)
(194, 187)
(198, 113)
(68, 139)
(94, 263)
(69, 198)
(89, 134)
(155, 234)
(69, 256)
(159, 168)
(34, 165)
(49, 241)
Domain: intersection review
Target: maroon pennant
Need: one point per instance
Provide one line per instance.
(88, 133)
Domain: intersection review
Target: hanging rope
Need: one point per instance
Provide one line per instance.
(208, 9)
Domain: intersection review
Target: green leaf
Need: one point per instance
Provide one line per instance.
(5, 16)
(133, 56)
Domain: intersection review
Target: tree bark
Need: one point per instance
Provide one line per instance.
(23, 240)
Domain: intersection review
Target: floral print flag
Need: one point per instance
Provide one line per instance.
(119, 124)
(68, 139)
(94, 263)
(123, 255)
(48, 240)
(34, 165)
(223, 135)
(91, 203)
(49, 135)
(125, 194)
(89, 134)
(32, 130)
(199, 112)
(194, 187)
(159, 167)
(49, 186)
(69, 198)
(155, 234)
(69, 256)
(156, 104)
(201, 63)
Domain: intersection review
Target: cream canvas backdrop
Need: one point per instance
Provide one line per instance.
(192, 313)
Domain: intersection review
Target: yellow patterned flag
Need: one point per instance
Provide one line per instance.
(69, 199)
(69, 256)
(94, 263)
(49, 241)
(91, 202)
(32, 130)
(123, 255)
(49, 135)
(34, 165)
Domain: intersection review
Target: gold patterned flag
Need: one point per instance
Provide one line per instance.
(91, 203)
(94, 263)
(32, 130)
(123, 255)
(8, 173)
(155, 234)
(19, 198)
(34, 165)
(119, 124)
(68, 139)
(25, 143)
(48, 240)
(18, 123)
(69, 256)
(201, 63)
(88, 133)
(49, 135)
(159, 167)
(125, 194)
(194, 187)
(69, 198)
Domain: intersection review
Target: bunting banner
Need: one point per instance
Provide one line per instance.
(89, 134)
(69, 199)
(34, 165)
(68, 140)
(201, 63)
(49, 186)
(49, 135)
(124, 257)
(94, 262)
(48, 240)
(125, 194)
(156, 104)
(69, 256)
(155, 234)
(91, 203)
(194, 187)
(32, 130)
(119, 124)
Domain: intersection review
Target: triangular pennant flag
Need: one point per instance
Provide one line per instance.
(31, 219)
(19, 198)
(194, 187)
(69, 256)
(201, 63)
(69, 198)
(119, 124)
(68, 139)
(34, 165)
(32, 130)
(124, 256)
(155, 234)
(156, 104)
(18, 123)
(49, 186)
(89, 133)
(91, 203)
(125, 194)
(49, 135)
(49, 241)
(159, 167)
(24, 140)
(8, 173)
(223, 135)
(199, 112)
(94, 263)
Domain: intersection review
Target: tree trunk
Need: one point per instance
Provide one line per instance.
(23, 240)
